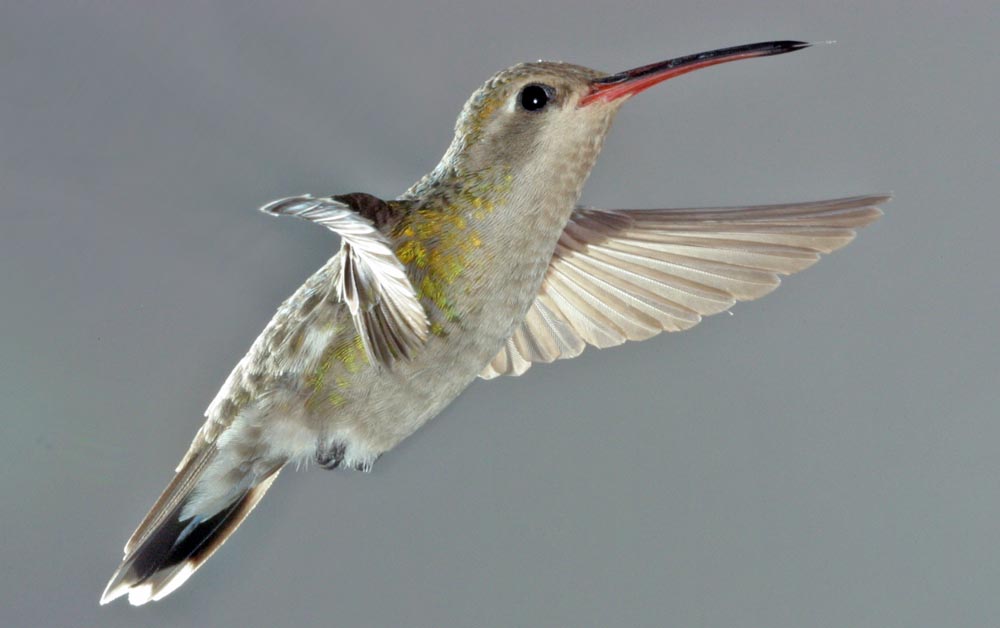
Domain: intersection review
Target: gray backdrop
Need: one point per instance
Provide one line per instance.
(825, 457)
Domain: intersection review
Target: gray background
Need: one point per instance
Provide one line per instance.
(825, 457)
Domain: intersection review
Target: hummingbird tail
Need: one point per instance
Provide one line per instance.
(185, 527)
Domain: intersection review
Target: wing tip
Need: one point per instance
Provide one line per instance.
(880, 198)
(282, 206)
(871, 206)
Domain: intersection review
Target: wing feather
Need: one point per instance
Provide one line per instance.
(620, 275)
(373, 283)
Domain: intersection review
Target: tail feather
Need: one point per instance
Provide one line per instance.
(179, 488)
(170, 545)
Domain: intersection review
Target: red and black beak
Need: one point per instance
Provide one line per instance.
(631, 82)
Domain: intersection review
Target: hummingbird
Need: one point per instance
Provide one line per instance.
(482, 268)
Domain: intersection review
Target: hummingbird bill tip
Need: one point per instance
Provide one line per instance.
(781, 47)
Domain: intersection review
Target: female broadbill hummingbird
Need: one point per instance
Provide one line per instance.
(483, 267)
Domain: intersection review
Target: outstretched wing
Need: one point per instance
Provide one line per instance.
(620, 275)
(387, 313)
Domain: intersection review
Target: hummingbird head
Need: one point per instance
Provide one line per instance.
(546, 121)
(527, 118)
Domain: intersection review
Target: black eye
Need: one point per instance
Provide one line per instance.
(535, 97)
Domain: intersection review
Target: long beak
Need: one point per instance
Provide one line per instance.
(631, 82)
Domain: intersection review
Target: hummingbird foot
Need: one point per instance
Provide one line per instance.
(335, 456)
(331, 457)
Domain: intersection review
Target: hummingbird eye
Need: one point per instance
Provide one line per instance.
(534, 97)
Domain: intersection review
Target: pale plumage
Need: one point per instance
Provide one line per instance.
(620, 275)
(481, 268)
